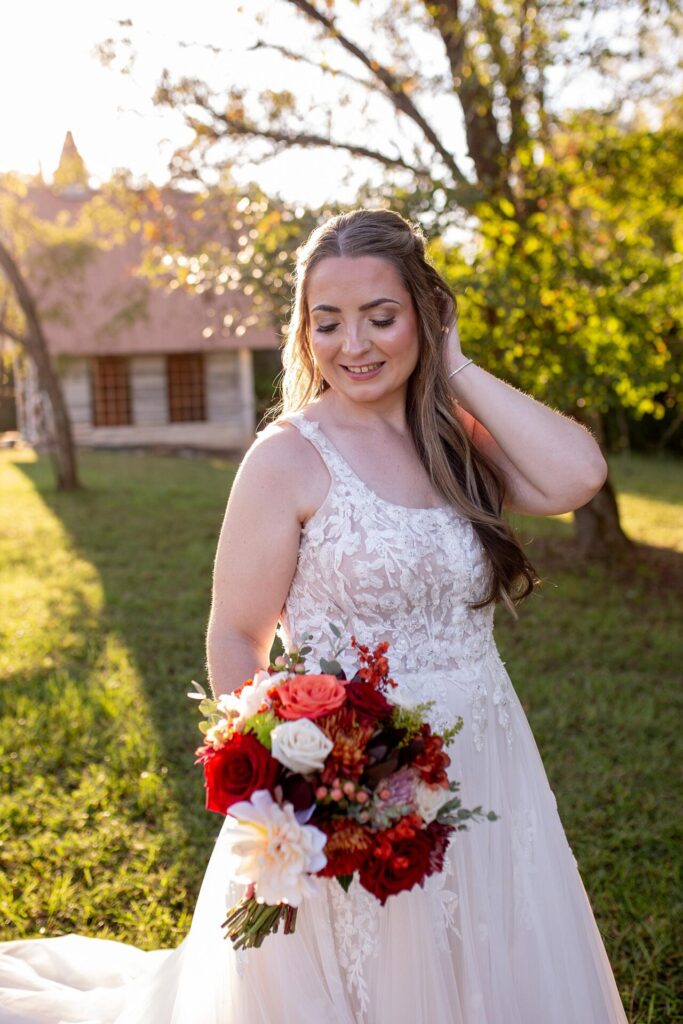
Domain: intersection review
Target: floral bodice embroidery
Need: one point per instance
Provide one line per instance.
(384, 571)
(388, 572)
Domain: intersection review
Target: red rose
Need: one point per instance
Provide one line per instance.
(396, 866)
(236, 771)
(367, 701)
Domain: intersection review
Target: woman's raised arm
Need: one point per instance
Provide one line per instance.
(551, 463)
(256, 558)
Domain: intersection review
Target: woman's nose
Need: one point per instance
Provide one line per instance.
(353, 340)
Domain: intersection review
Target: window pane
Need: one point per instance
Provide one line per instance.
(185, 375)
(111, 391)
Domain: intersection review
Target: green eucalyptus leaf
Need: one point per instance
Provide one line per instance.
(331, 668)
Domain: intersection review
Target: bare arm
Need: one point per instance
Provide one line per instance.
(551, 463)
(255, 560)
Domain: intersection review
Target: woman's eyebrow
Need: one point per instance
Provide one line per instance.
(366, 305)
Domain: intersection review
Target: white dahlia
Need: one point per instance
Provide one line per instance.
(277, 853)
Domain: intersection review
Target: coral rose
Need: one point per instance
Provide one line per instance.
(235, 771)
(309, 696)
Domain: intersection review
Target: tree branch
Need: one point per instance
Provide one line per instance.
(306, 139)
(35, 344)
(391, 82)
(481, 126)
(318, 65)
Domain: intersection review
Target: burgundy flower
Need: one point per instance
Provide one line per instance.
(299, 791)
(367, 701)
(439, 836)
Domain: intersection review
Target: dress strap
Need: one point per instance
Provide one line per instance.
(312, 432)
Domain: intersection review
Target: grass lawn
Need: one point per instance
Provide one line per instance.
(105, 597)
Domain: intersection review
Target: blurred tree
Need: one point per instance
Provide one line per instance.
(41, 261)
(22, 322)
(580, 302)
(542, 203)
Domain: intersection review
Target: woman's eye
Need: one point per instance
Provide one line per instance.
(326, 328)
(384, 323)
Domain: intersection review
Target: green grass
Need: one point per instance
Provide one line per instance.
(104, 597)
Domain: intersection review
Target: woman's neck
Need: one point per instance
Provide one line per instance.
(388, 411)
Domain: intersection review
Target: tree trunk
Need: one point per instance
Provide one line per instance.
(598, 528)
(61, 448)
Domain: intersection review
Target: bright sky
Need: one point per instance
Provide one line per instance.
(51, 82)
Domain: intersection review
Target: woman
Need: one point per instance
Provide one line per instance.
(375, 502)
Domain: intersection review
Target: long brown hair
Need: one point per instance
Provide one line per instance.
(466, 477)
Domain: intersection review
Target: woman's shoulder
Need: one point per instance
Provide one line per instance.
(281, 458)
(280, 449)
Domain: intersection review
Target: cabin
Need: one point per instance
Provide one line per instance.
(140, 365)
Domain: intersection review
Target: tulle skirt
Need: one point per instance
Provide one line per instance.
(505, 935)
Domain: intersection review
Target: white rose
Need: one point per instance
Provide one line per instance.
(430, 801)
(239, 707)
(300, 745)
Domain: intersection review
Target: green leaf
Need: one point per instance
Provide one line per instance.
(451, 732)
(208, 707)
(332, 668)
(345, 881)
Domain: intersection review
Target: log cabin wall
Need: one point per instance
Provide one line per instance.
(228, 403)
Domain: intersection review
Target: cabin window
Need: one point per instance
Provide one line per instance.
(186, 393)
(111, 391)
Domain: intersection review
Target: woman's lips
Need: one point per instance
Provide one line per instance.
(367, 375)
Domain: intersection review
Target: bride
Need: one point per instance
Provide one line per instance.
(375, 501)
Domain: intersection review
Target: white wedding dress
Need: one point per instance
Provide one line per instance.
(505, 935)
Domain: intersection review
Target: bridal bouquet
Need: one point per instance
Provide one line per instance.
(325, 777)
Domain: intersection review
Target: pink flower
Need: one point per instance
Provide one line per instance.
(309, 696)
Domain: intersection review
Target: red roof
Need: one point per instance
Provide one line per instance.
(112, 310)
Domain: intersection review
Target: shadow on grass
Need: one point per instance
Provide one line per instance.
(149, 527)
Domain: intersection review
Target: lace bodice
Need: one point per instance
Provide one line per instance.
(384, 571)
